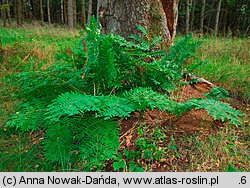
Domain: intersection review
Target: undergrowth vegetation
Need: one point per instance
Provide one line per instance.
(76, 101)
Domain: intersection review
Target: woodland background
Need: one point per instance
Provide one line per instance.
(224, 17)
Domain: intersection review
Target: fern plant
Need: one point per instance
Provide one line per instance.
(78, 100)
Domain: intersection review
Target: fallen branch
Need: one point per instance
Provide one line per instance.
(200, 80)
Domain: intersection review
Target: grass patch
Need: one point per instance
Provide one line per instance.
(225, 61)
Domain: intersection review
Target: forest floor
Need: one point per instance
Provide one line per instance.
(194, 142)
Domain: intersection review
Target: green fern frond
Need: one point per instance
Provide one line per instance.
(217, 109)
(217, 93)
(182, 51)
(155, 41)
(69, 104)
(58, 141)
(147, 98)
(30, 117)
(143, 30)
(100, 143)
(137, 39)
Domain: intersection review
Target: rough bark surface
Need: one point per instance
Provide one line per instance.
(171, 12)
(83, 19)
(70, 14)
(48, 11)
(90, 9)
(217, 17)
(18, 12)
(122, 16)
(3, 12)
(41, 11)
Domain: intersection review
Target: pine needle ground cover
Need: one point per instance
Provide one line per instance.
(95, 107)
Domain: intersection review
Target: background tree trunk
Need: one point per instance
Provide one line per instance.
(24, 12)
(48, 11)
(62, 15)
(74, 12)
(65, 12)
(29, 10)
(41, 12)
(90, 9)
(18, 12)
(8, 12)
(188, 15)
(70, 14)
(3, 12)
(83, 17)
(193, 16)
(158, 17)
(202, 16)
(225, 18)
(217, 17)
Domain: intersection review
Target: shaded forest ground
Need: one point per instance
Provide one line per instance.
(192, 143)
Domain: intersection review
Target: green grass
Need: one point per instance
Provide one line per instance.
(26, 49)
(226, 63)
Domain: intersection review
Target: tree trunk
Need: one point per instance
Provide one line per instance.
(192, 18)
(8, 12)
(217, 17)
(61, 5)
(48, 11)
(225, 18)
(29, 10)
(18, 12)
(74, 12)
(188, 15)
(65, 11)
(122, 16)
(41, 11)
(90, 9)
(70, 14)
(23, 9)
(83, 17)
(202, 16)
(170, 16)
(3, 12)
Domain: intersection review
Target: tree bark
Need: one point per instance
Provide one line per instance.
(188, 15)
(29, 10)
(41, 12)
(90, 10)
(65, 8)
(74, 12)
(8, 12)
(48, 11)
(193, 16)
(23, 9)
(170, 8)
(70, 14)
(18, 12)
(217, 17)
(83, 17)
(62, 15)
(202, 16)
(3, 12)
(122, 16)
(225, 18)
